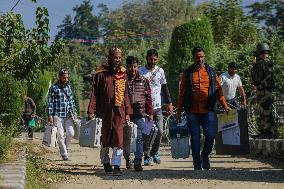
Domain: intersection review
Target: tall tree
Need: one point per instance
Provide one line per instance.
(230, 24)
(269, 13)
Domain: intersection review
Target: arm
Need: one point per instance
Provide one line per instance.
(243, 95)
(165, 92)
(181, 95)
(33, 105)
(50, 105)
(72, 101)
(220, 95)
(148, 103)
(127, 103)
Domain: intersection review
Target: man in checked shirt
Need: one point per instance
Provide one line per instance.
(61, 106)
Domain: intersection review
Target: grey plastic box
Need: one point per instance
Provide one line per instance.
(180, 147)
(90, 133)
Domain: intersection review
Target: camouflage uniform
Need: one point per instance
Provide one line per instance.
(263, 80)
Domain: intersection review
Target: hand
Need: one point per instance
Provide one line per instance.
(33, 116)
(150, 117)
(227, 109)
(254, 88)
(169, 109)
(50, 120)
(178, 117)
(127, 118)
(91, 116)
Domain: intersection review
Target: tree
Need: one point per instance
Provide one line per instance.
(184, 38)
(269, 13)
(230, 25)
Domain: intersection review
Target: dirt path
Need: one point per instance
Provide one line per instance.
(239, 172)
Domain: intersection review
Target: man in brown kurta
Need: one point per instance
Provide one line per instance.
(110, 102)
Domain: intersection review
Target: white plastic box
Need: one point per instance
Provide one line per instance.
(50, 136)
(90, 133)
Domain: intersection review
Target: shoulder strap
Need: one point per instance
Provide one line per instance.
(154, 74)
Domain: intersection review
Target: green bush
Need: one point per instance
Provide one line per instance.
(184, 38)
(38, 91)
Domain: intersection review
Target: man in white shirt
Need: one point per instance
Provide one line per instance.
(159, 90)
(230, 82)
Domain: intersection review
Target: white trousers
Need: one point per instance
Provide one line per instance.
(116, 156)
(63, 142)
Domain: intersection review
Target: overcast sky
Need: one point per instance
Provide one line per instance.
(58, 9)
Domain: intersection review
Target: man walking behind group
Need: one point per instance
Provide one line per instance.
(199, 90)
(29, 113)
(230, 82)
(159, 90)
(140, 98)
(110, 102)
(263, 83)
(61, 105)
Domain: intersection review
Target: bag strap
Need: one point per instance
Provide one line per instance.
(154, 74)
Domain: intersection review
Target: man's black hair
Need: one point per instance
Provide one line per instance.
(132, 60)
(197, 49)
(152, 52)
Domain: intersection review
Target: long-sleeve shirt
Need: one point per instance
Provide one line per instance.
(59, 103)
(200, 91)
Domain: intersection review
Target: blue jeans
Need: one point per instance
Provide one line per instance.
(139, 141)
(207, 122)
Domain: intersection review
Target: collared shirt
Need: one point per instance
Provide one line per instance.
(156, 78)
(230, 84)
(200, 91)
(58, 103)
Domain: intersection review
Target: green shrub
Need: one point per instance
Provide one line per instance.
(184, 38)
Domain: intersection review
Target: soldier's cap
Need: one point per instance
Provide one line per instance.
(233, 65)
(132, 60)
(62, 72)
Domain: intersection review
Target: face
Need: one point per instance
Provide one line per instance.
(152, 61)
(232, 71)
(264, 55)
(199, 57)
(63, 79)
(115, 60)
(132, 69)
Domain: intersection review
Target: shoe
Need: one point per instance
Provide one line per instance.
(30, 138)
(157, 159)
(65, 158)
(205, 163)
(197, 168)
(129, 164)
(148, 161)
(138, 168)
(117, 171)
(108, 168)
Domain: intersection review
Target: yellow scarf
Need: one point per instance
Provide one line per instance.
(119, 83)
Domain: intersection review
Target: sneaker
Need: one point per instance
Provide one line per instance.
(117, 171)
(138, 168)
(205, 163)
(157, 159)
(108, 168)
(129, 164)
(65, 158)
(148, 161)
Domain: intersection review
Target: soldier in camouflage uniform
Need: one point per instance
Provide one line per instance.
(263, 82)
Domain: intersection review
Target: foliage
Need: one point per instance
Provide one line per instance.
(38, 91)
(270, 14)
(11, 100)
(230, 24)
(184, 39)
(26, 52)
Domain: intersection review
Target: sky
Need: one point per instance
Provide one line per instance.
(58, 9)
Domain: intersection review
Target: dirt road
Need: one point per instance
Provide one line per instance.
(231, 172)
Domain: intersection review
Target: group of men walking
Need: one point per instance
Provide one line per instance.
(136, 94)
